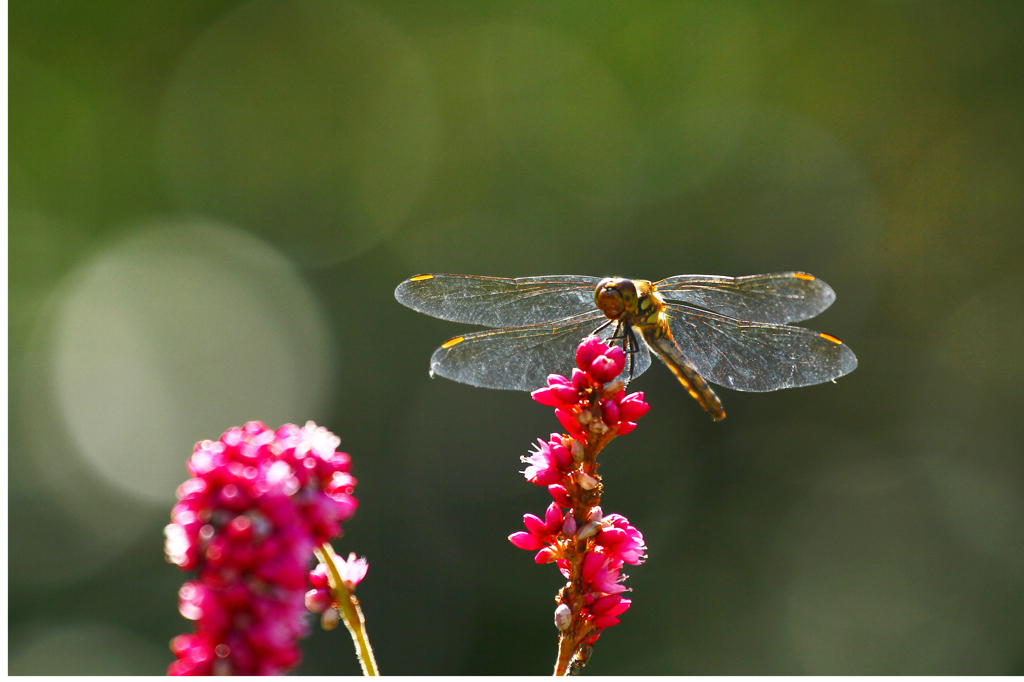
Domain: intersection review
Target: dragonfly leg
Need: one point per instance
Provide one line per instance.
(633, 350)
(603, 327)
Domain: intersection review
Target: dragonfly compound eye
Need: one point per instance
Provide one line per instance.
(615, 297)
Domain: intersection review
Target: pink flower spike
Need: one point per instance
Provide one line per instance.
(588, 351)
(589, 551)
(247, 524)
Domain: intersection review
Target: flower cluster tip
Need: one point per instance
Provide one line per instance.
(258, 503)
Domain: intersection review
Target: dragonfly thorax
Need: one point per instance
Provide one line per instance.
(632, 301)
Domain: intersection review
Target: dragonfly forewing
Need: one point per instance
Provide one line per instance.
(777, 298)
(498, 302)
(751, 356)
(522, 358)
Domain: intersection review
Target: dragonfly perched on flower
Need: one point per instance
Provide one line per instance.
(730, 331)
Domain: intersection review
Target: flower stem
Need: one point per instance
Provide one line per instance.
(570, 641)
(350, 611)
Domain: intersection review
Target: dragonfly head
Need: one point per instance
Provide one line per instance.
(616, 296)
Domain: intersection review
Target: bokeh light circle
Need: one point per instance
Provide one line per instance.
(175, 334)
(311, 122)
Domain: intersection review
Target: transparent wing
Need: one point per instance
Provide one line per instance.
(751, 356)
(779, 297)
(522, 358)
(497, 302)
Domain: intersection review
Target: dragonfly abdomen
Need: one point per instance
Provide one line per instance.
(659, 338)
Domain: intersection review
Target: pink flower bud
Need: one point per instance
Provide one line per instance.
(553, 519)
(318, 577)
(318, 600)
(603, 369)
(545, 556)
(330, 619)
(632, 407)
(588, 351)
(609, 412)
(560, 495)
(563, 617)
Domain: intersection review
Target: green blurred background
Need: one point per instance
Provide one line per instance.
(211, 204)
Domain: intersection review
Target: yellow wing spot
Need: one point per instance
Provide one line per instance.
(804, 275)
(829, 337)
(420, 278)
(460, 339)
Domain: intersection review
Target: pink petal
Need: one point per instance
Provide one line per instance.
(545, 556)
(609, 412)
(603, 369)
(525, 541)
(546, 396)
(632, 407)
(553, 519)
(535, 525)
(569, 421)
(560, 495)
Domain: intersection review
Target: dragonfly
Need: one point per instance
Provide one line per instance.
(729, 331)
